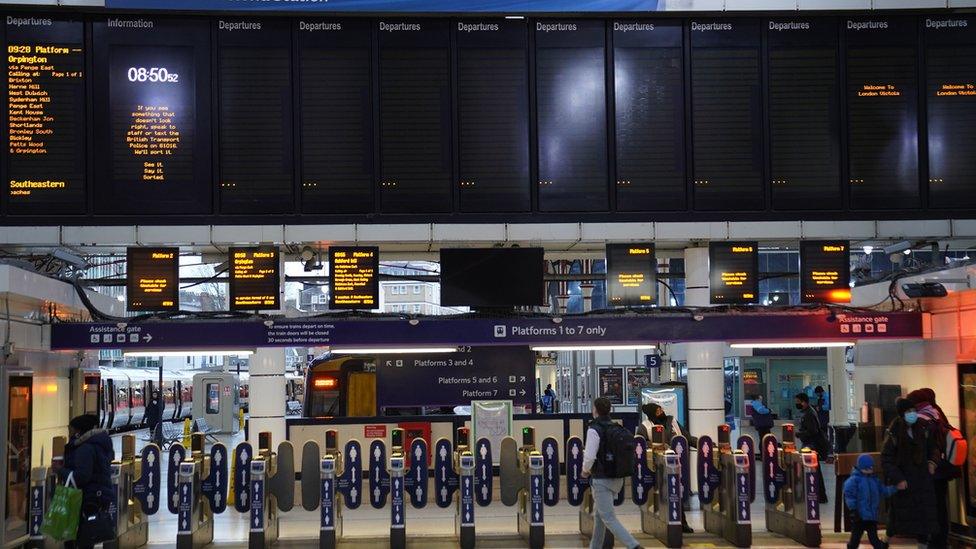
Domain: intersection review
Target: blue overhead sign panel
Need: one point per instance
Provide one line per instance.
(401, 6)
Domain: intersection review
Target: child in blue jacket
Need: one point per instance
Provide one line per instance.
(863, 493)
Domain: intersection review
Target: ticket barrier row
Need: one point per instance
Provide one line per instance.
(727, 486)
(790, 487)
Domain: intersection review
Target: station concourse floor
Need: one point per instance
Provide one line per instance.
(433, 527)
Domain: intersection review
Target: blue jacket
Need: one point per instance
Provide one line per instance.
(89, 457)
(863, 494)
(762, 417)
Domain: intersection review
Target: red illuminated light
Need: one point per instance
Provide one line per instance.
(326, 383)
(840, 295)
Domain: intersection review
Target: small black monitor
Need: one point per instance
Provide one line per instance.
(492, 277)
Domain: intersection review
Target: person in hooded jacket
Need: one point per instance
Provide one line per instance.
(88, 460)
(862, 494)
(906, 457)
(933, 419)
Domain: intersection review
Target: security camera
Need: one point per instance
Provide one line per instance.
(898, 247)
(70, 258)
(269, 323)
(557, 320)
(414, 322)
(698, 317)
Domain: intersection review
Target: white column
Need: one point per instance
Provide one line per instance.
(267, 395)
(840, 385)
(706, 380)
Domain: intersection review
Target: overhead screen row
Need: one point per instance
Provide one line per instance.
(125, 116)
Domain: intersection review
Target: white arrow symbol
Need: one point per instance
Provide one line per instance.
(443, 473)
(396, 484)
(352, 472)
(396, 518)
(467, 517)
(522, 392)
(147, 338)
(674, 515)
(484, 471)
(256, 522)
(418, 475)
(36, 528)
(377, 473)
(813, 512)
(184, 524)
(326, 519)
(743, 513)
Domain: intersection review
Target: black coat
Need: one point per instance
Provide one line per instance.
(89, 456)
(912, 511)
(810, 434)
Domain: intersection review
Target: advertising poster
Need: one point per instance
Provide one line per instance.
(612, 384)
(636, 379)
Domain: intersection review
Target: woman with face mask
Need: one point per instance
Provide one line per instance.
(905, 458)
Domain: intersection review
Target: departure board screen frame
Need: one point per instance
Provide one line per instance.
(825, 271)
(157, 269)
(492, 277)
(255, 158)
(804, 113)
(649, 102)
(254, 278)
(152, 107)
(733, 272)
(416, 116)
(882, 113)
(631, 274)
(335, 110)
(726, 95)
(354, 273)
(45, 160)
(571, 115)
(493, 153)
(950, 96)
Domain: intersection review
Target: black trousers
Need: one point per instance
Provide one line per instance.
(941, 539)
(859, 527)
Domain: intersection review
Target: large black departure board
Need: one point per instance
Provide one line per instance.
(571, 109)
(950, 95)
(727, 114)
(648, 74)
(152, 116)
(256, 141)
(804, 114)
(45, 116)
(336, 113)
(493, 115)
(882, 112)
(416, 159)
(733, 272)
(152, 279)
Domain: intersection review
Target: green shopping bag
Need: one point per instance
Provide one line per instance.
(61, 518)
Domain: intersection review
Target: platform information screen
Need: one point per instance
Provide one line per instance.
(733, 269)
(882, 107)
(152, 279)
(255, 278)
(355, 274)
(825, 271)
(631, 274)
(46, 127)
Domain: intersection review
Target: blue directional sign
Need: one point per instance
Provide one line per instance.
(643, 478)
(214, 487)
(177, 453)
(575, 484)
(350, 483)
(708, 476)
(535, 492)
(146, 488)
(680, 446)
(36, 512)
(743, 513)
(483, 473)
(416, 479)
(258, 471)
(243, 454)
(813, 497)
(379, 478)
(397, 516)
(773, 477)
(748, 447)
(445, 478)
(113, 501)
(184, 488)
(673, 496)
(327, 496)
(467, 495)
(550, 471)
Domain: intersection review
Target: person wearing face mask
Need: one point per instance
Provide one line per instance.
(812, 437)
(905, 457)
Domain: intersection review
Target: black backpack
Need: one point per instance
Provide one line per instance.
(616, 456)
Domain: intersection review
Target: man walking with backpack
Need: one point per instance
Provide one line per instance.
(608, 458)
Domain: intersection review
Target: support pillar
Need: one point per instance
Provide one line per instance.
(706, 377)
(267, 395)
(840, 386)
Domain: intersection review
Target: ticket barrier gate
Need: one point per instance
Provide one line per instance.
(264, 485)
(726, 486)
(135, 494)
(331, 480)
(530, 479)
(470, 472)
(790, 487)
(197, 488)
(662, 515)
(578, 488)
(398, 478)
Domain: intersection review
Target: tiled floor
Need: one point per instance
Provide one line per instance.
(433, 527)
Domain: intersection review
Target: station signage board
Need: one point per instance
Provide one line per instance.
(825, 271)
(255, 279)
(631, 274)
(152, 279)
(355, 277)
(733, 269)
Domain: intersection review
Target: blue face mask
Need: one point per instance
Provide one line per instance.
(911, 417)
